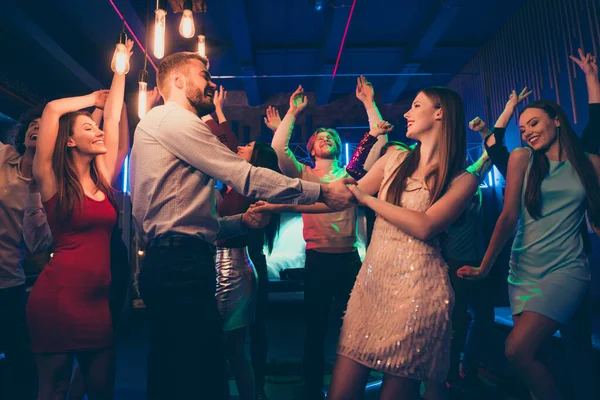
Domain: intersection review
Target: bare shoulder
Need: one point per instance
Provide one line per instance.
(520, 154)
(519, 160)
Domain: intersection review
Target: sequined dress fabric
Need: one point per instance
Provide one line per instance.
(398, 317)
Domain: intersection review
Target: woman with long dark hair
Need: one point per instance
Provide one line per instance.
(242, 280)
(68, 310)
(237, 279)
(549, 186)
(398, 316)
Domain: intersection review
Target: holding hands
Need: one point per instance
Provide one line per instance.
(361, 196)
(337, 195)
(254, 219)
(262, 206)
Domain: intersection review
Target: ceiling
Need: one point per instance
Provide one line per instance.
(60, 48)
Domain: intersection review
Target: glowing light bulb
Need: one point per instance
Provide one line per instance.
(140, 252)
(186, 26)
(160, 17)
(120, 59)
(142, 93)
(142, 98)
(202, 45)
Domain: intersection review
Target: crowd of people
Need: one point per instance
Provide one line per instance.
(204, 276)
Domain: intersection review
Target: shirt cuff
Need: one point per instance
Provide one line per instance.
(231, 226)
(311, 192)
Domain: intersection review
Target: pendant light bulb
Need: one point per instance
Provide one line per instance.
(160, 17)
(120, 59)
(142, 94)
(186, 26)
(202, 45)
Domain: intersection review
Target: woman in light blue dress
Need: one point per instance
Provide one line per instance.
(549, 187)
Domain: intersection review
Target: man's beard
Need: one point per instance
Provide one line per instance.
(328, 153)
(201, 103)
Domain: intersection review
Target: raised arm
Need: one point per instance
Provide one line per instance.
(108, 163)
(97, 115)
(222, 130)
(424, 225)
(590, 138)
(356, 166)
(494, 145)
(123, 146)
(517, 166)
(48, 132)
(481, 167)
(281, 139)
(366, 94)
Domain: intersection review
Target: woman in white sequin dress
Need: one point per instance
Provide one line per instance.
(398, 316)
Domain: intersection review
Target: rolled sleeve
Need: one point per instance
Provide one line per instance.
(231, 226)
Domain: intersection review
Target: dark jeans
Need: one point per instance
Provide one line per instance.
(21, 383)
(259, 344)
(328, 276)
(186, 358)
(469, 334)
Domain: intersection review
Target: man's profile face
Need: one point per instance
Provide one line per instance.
(200, 89)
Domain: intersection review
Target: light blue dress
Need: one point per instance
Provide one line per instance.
(549, 270)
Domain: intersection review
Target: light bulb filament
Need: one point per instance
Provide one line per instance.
(159, 32)
(142, 99)
(186, 27)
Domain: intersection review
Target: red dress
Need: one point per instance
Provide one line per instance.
(68, 305)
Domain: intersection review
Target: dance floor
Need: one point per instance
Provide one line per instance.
(286, 333)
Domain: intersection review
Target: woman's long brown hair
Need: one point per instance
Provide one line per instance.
(452, 148)
(264, 156)
(70, 193)
(569, 142)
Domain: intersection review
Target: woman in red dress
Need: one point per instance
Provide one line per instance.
(68, 312)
